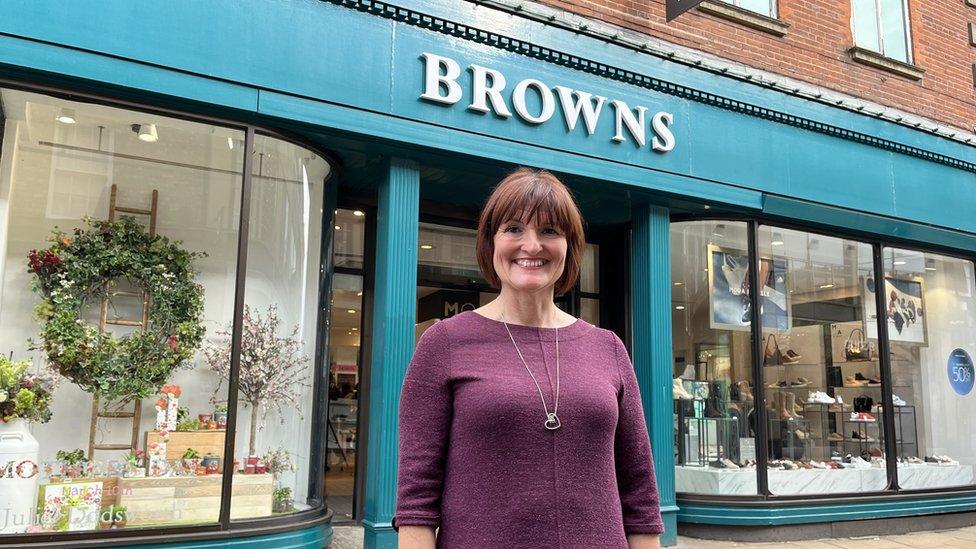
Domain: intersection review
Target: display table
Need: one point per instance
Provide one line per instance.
(742, 482)
(162, 500)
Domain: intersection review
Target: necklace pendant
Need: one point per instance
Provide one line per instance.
(552, 422)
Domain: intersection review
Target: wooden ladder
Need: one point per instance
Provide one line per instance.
(135, 414)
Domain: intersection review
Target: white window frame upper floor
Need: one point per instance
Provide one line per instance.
(880, 32)
(772, 13)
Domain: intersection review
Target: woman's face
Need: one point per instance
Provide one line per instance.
(529, 256)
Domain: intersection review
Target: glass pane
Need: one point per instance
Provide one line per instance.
(894, 26)
(63, 161)
(713, 393)
(763, 7)
(447, 255)
(866, 25)
(590, 269)
(590, 310)
(281, 308)
(931, 314)
(349, 237)
(820, 364)
(436, 304)
(344, 370)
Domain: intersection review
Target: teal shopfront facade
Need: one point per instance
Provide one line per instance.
(418, 107)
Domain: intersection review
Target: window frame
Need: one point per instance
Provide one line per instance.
(879, 27)
(878, 245)
(773, 8)
(318, 513)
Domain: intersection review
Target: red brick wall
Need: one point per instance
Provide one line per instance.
(815, 49)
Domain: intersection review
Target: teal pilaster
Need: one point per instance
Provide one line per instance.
(394, 317)
(651, 324)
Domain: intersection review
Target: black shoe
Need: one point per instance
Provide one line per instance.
(718, 464)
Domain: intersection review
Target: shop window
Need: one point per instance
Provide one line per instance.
(589, 284)
(820, 364)
(931, 318)
(882, 26)
(78, 295)
(349, 238)
(345, 360)
(275, 422)
(714, 402)
(448, 255)
(762, 7)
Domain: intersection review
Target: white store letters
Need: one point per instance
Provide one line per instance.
(487, 85)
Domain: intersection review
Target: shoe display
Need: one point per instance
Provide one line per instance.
(867, 380)
(819, 397)
(862, 416)
(679, 392)
(862, 438)
(800, 382)
(851, 381)
(792, 355)
(915, 460)
(745, 391)
(897, 401)
(729, 464)
(835, 437)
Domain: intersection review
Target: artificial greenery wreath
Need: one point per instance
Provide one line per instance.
(75, 272)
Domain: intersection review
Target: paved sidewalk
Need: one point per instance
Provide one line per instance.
(351, 537)
(963, 537)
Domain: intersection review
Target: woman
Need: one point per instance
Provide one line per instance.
(520, 425)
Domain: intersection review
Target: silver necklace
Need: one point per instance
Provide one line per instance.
(552, 420)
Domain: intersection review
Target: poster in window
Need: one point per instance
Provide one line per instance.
(904, 310)
(728, 291)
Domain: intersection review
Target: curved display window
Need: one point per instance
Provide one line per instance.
(119, 279)
(858, 393)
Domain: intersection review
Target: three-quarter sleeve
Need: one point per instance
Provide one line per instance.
(639, 498)
(426, 407)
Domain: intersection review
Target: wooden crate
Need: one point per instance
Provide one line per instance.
(163, 500)
(206, 442)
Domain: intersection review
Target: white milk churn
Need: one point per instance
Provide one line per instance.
(19, 474)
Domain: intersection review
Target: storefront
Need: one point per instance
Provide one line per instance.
(316, 169)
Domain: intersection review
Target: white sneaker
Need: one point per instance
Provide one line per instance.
(839, 399)
(897, 401)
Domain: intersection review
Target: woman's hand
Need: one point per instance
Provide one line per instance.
(422, 537)
(638, 541)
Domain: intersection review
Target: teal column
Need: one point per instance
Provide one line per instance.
(394, 318)
(651, 325)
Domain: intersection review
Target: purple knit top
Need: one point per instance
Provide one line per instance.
(476, 460)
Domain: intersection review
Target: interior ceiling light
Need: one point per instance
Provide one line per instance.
(679, 283)
(360, 294)
(66, 116)
(147, 132)
(826, 286)
(777, 240)
(358, 213)
(230, 143)
(426, 247)
(680, 307)
(899, 262)
(351, 311)
(337, 227)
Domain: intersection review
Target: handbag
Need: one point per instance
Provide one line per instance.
(863, 403)
(857, 347)
(772, 357)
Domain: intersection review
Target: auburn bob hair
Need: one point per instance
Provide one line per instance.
(536, 195)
